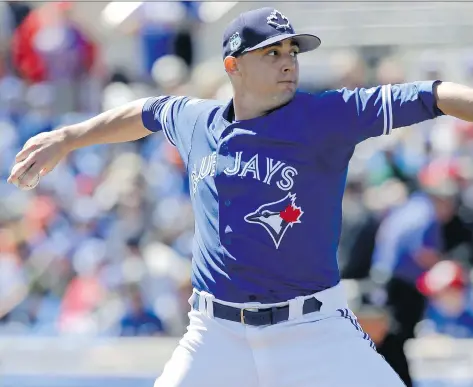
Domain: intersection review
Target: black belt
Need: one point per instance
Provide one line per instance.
(263, 316)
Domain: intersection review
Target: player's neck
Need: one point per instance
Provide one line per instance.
(246, 107)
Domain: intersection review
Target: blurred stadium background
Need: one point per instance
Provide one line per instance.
(95, 262)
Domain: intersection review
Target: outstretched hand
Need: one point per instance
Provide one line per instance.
(39, 156)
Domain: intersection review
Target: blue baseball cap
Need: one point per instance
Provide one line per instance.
(261, 28)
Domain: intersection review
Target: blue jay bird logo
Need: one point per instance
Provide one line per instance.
(277, 217)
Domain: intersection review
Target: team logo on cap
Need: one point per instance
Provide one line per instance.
(278, 20)
(235, 41)
(277, 217)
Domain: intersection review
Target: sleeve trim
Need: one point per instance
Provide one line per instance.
(386, 98)
(390, 106)
(164, 113)
(385, 111)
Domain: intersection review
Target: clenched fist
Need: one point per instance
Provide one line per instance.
(39, 156)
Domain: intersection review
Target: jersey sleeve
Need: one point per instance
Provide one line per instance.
(174, 116)
(358, 114)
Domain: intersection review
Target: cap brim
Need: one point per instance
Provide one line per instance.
(306, 42)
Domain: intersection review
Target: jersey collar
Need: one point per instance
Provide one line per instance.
(228, 112)
(226, 118)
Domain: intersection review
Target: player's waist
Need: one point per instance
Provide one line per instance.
(257, 313)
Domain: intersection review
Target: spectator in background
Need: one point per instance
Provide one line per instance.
(19, 11)
(184, 39)
(408, 243)
(49, 46)
(457, 231)
(364, 207)
(358, 231)
(12, 14)
(166, 28)
(139, 320)
(6, 31)
(39, 116)
(82, 298)
(450, 301)
(13, 106)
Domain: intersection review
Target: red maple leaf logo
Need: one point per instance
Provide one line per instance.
(290, 214)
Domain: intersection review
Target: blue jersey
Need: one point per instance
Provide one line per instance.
(267, 192)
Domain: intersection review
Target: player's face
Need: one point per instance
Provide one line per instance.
(271, 73)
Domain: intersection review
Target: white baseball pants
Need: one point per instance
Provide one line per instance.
(321, 349)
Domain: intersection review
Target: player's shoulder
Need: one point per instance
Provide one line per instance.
(205, 111)
(312, 107)
(301, 102)
(202, 105)
(320, 98)
(189, 108)
(189, 102)
(337, 94)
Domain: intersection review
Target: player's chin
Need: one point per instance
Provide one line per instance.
(284, 96)
(288, 87)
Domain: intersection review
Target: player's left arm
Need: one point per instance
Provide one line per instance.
(358, 114)
(455, 100)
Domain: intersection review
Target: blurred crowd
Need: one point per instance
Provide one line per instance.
(407, 228)
(103, 245)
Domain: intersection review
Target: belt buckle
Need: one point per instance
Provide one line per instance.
(242, 316)
(242, 313)
(250, 309)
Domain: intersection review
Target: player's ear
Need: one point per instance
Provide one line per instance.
(231, 65)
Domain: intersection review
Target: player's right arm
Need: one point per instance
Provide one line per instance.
(121, 124)
(42, 153)
(129, 122)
